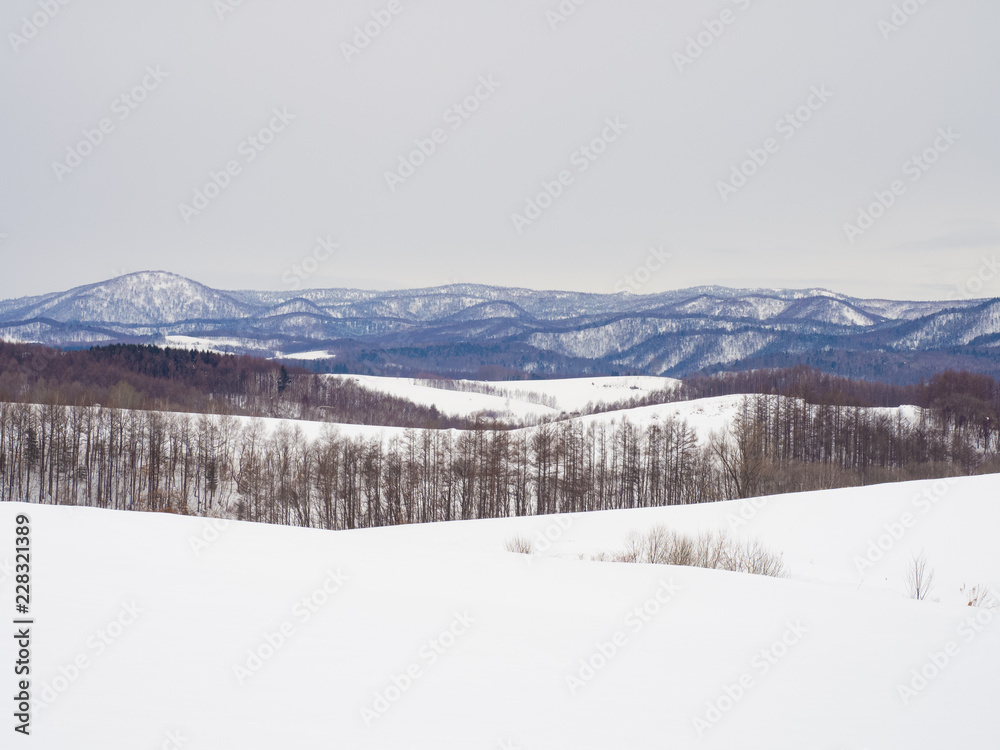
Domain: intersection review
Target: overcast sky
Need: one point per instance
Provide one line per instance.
(669, 98)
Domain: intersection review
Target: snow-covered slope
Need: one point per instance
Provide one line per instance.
(152, 629)
(519, 399)
(455, 403)
(575, 394)
(147, 298)
(706, 416)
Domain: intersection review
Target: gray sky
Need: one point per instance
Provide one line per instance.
(862, 99)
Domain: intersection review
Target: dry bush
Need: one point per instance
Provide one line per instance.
(919, 578)
(753, 557)
(716, 551)
(634, 549)
(979, 596)
(520, 545)
(682, 550)
(656, 547)
(711, 550)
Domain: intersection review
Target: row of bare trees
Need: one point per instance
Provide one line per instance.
(778, 444)
(252, 470)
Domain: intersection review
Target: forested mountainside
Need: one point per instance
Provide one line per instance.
(468, 330)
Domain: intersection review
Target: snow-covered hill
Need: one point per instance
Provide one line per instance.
(705, 416)
(147, 299)
(518, 400)
(152, 629)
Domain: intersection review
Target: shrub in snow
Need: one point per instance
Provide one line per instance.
(716, 551)
(979, 596)
(520, 545)
(919, 578)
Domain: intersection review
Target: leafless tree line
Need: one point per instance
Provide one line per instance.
(241, 468)
(488, 389)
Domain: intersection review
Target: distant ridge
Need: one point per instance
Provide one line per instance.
(473, 329)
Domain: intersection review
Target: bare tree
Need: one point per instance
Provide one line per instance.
(740, 451)
(919, 578)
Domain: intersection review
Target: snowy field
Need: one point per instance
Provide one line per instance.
(162, 631)
(712, 415)
(706, 416)
(201, 344)
(521, 399)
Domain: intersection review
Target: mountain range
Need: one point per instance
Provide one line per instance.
(488, 331)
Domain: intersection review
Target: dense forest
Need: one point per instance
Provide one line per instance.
(133, 376)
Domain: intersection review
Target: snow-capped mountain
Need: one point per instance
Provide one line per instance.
(460, 328)
(146, 298)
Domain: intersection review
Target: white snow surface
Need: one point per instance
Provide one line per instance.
(217, 345)
(520, 399)
(574, 394)
(706, 416)
(821, 655)
(313, 355)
